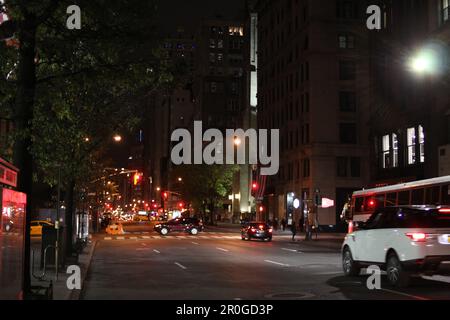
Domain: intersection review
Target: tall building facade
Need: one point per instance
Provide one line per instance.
(313, 85)
(222, 89)
(410, 109)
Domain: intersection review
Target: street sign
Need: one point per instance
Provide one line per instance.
(327, 203)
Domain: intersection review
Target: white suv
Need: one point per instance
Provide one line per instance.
(404, 241)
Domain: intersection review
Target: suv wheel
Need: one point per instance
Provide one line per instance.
(164, 231)
(397, 276)
(351, 268)
(194, 231)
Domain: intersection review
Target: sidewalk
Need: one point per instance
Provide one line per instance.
(60, 290)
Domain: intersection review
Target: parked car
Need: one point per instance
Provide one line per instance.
(404, 241)
(189, 225)
(256, 230)
(36, 227)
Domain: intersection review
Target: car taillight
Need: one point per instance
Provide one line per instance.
(253, 230)
(417, 236)
(444, 210)
(261, 227)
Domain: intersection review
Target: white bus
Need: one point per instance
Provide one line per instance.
(434, 191)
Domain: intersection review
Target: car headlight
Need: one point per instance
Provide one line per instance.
(158, 226)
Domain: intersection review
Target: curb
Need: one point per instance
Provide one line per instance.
(75, 295)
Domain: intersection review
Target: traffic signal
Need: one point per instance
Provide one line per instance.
(137, 178)
(254, 186)
(181, 205)
(165, 195)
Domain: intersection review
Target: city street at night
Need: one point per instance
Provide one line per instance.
(220, 266)
(266, 157)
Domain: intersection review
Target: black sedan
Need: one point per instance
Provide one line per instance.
(189, 225)
(256, 230)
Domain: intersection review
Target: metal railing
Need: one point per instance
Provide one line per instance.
(44, 272)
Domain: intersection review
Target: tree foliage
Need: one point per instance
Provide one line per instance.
(206, 187)
(90, 83)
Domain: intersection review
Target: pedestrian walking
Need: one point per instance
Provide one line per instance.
(293, 230)
(283, 224)
(275, 224)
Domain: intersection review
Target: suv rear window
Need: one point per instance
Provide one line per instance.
(409, 218)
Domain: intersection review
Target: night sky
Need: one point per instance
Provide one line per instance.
(188, 13)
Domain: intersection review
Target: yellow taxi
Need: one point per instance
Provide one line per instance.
(36, 227)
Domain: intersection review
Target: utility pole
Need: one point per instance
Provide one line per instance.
(58, 206)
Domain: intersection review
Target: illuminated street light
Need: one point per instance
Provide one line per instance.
(180, 179)
(429, 60)
(237, 141)
(117, 138)
(158, 189)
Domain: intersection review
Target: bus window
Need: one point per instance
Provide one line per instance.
(445, 195)
(432, 195)
(403, 198)
(417, 197)
(391, 199)
(379, 199)
(359, 205)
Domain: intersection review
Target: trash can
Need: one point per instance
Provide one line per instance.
(49, 236)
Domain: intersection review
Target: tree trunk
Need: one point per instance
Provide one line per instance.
(211, 212)
(23, 115)
(69, 216)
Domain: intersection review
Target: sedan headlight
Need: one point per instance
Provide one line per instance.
(158, 226)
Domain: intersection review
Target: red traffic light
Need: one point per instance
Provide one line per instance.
(181, 205)
(165, 195)
(254, 186)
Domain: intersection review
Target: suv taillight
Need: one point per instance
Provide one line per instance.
(417, 236)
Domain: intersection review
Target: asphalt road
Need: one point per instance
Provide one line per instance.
(218, 265)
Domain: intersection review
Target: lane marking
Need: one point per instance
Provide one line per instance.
(120, 238)
(180, 265)
(437, 278)
(277, 263)
(195, 243)
(145, 237)
(224, 250)
(290, 250)
(133, 238)
(107, 238)
(330, 273)
(405, 294)
(156, 251)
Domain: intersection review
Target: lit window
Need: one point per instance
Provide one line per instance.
(346, 42)
(212, 57)
(411, 140)
(394, 150)
(220, 44)
(212, 43)
(445, 10)
(386, 152)
(220, 57)
(236, 31)
(422, 144)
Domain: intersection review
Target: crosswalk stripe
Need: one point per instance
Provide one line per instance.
(108, 238)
